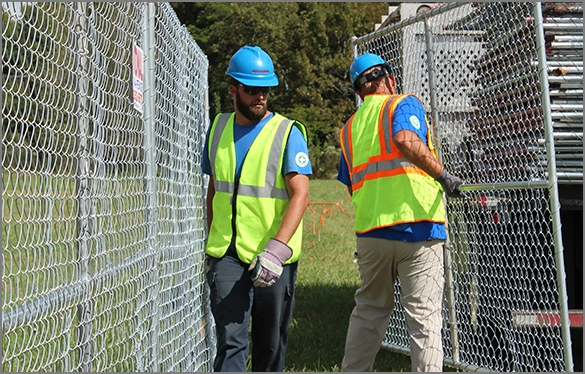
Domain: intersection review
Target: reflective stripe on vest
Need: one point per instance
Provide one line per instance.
(269, 189)
(255, 203)
(385, 163)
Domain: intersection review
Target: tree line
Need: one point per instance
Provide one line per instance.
(310, 45)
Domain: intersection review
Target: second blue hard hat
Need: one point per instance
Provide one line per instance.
(363, 63)
(251, 66)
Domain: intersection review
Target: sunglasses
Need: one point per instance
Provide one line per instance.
(253, 91)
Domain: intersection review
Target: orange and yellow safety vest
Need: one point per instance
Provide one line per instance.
(386, 188)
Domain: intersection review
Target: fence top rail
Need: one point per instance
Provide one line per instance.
(505, 185)
(412, 20)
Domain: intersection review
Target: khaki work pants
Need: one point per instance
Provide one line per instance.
(420, 269)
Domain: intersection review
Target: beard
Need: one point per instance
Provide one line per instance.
(249, 111)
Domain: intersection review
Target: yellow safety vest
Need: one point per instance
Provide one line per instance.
(387, 188)
(260, 195)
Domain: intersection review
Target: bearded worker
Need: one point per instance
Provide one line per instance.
(258, 167)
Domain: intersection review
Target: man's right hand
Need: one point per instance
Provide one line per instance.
(450, 183)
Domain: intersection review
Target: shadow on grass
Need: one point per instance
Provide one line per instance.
(318, 330)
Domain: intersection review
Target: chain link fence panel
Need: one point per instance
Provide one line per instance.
(103, 204)
(507, 109)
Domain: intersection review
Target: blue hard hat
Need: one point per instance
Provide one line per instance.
(363, 63)
(251, 66)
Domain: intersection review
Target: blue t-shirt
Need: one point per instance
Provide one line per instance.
(296, 153)
(408, 115)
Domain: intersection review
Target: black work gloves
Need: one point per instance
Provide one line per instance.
(450, 183)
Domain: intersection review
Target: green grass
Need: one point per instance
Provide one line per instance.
(326, 282)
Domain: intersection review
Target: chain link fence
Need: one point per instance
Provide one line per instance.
(103, 198)
(502, 83)
(102, 192)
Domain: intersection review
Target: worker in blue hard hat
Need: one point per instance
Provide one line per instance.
(390, 167)
(365, 62)
(258, 166)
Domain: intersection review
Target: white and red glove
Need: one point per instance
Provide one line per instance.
(266, 268)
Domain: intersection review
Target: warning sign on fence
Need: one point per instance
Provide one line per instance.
(137, 76)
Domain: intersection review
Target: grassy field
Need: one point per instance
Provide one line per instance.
(327, 280)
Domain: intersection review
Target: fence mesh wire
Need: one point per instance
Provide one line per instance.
(475, 67)
(103, 207)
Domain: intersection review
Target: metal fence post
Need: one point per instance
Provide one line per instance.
(150, 178)
(553, 187)
(447, 249)
(151, 174)
(83, 190)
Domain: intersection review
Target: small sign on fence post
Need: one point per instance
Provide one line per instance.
(137, 76)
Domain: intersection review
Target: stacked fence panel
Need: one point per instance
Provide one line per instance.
(563, 32)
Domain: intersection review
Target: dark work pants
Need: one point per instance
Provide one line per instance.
(234, 299)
